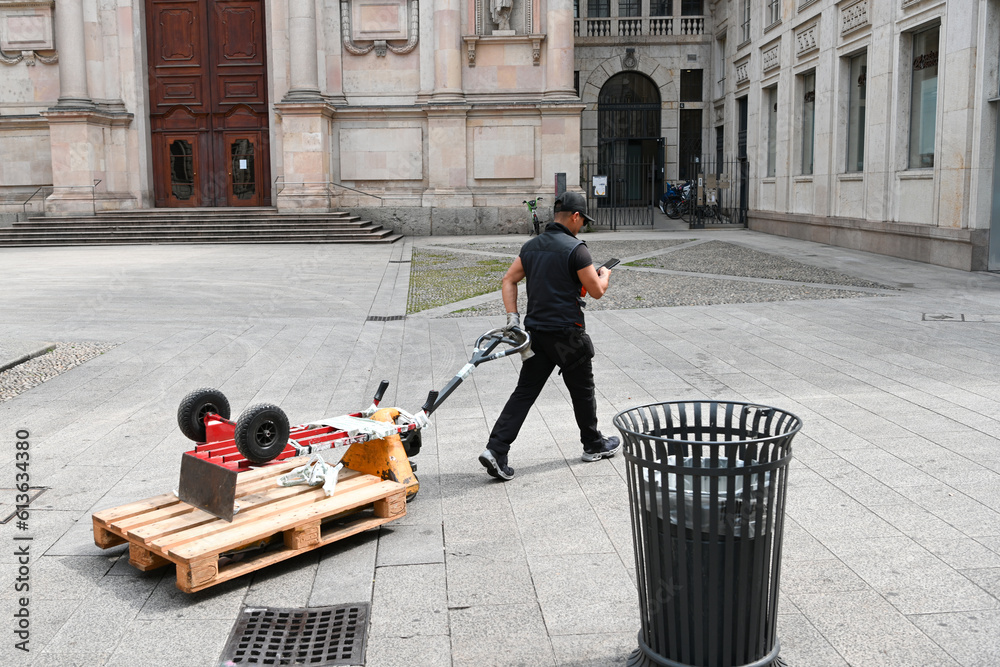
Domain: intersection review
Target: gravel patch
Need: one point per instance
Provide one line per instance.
(439, 277)
(34, 372)
(728, 259)
(642, 289)
(601, 250)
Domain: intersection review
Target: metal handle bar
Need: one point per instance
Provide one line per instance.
(486, 345)
(517, 339)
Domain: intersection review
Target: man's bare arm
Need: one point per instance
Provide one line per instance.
(596, 282)
(514, 275)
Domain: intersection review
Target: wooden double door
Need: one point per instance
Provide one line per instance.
(208, 102)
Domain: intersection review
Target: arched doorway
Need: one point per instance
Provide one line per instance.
(208, 102)
(629, 140)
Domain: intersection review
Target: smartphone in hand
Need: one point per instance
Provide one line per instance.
(610, 264)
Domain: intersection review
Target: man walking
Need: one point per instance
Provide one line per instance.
(557, 265)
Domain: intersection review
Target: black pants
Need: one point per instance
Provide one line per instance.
(572, 351)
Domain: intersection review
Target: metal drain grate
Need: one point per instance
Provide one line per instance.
(385, 318)
(313, 636)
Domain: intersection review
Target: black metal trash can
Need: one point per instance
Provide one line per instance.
(707, 482)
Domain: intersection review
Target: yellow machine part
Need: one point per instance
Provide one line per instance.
(385, 458)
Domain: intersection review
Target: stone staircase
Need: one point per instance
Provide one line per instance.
(204, 225)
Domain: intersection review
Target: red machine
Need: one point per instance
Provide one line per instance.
(262, 435)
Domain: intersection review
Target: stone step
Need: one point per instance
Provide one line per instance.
(217, 226)
(145, 220)
(196, 236)
(210, 212)
(153, 226)
(382, 237)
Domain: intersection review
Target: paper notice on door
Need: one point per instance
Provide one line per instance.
(243, 164)
(600, 186)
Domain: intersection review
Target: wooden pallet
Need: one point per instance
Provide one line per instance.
(163, 530)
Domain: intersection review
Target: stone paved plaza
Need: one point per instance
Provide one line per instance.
(892, 542)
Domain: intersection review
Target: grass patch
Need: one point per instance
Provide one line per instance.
(438, 278)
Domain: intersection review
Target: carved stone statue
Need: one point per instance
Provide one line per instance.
(500, 13)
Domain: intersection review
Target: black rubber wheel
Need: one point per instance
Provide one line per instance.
(262, 432)
(672, 210)
(194, 407)
(412, 441)
(411, 496)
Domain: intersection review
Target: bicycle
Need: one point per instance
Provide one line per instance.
(681, 200)
(674, 201)
(532, 206)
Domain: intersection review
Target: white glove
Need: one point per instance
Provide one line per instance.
(513, 321)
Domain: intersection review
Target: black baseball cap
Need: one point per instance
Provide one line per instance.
(572, 202)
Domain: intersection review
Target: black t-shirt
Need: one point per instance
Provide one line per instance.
(580, 259)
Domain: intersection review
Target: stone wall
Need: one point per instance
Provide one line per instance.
(433, 221)
(963, 249)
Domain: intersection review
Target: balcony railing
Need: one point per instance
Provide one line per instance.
(639, 26)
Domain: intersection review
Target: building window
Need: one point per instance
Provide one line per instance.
(923, 98)
(856, 113)
(771, 100)
(692, 7)
(772, 12)
(598, 8)
(808, 121)
(745, 24)
(628, 7)
(576, 9)
(719, 66)
(691, 85)
(661, 8)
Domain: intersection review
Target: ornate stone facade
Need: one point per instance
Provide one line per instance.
(446, 119)
(368, 101)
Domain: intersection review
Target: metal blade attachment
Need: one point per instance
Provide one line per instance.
(208, 486)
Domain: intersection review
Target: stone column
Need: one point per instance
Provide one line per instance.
(305, 144)
(304, 79)
(955, 161)
(79, 131)
(332, 65)
(73, 91)
(447, 51)
(559, 64)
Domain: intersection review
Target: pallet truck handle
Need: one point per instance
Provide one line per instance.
(517, 339)
(380, 392)
(429, 406)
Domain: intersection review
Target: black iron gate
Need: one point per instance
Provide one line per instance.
(621, 194)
